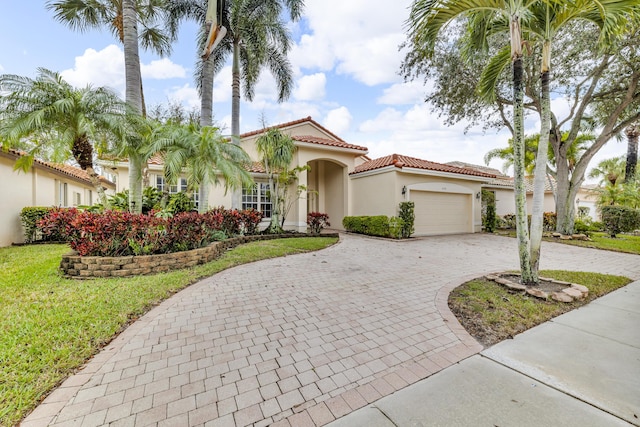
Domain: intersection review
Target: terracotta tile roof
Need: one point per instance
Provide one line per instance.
(400, 161)
(255, 167)
(64, 169)
(507, 181)
(293, 123)
(329, 142)
(480, 168)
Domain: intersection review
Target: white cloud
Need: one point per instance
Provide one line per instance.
(162, 69)
(419, 133)
(1, 68)
(407, 93)
(359, 38)
(106, 68)
(311, 87)
(338, 120)
(99, 68)
(185, 95)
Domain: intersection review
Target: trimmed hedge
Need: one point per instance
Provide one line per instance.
(620, 219)
(377, 225)
(407, 217)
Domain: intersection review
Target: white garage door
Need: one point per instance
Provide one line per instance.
(441, 213)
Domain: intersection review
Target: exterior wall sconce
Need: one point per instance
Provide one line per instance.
(404, 190)
(478, 195)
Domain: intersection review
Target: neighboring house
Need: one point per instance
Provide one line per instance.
(45, 184)
(502, 186)
(587, 202)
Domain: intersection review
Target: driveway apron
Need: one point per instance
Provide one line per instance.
(300, 340)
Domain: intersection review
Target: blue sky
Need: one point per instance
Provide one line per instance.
(345, 59)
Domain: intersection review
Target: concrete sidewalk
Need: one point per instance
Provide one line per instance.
(579, 369)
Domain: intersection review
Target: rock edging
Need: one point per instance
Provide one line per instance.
(88, 267)
(571, 292)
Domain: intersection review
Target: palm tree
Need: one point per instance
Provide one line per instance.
(610, 171)
(276, 150)
(632, 132)
(49, 109)
(427, 19)
(122, 17)
(205, 156)
(257, 37)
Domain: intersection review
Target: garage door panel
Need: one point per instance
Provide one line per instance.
(441, 213)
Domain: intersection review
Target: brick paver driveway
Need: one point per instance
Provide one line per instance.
(300, 340)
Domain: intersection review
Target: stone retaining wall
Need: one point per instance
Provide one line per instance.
(85, 267)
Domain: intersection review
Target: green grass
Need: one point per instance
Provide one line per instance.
(621, 243)
(51, 325)
(491, 313)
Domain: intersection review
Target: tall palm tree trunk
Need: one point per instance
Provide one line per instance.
(206, 118)
(522, 231)
(235, 94)
(540, 173)
(632, 132)
(235, 112)
(133, 95)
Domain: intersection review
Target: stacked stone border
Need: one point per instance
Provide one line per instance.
(87, 267)
(571, 292)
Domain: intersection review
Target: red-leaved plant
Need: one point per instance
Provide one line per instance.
(317, 221)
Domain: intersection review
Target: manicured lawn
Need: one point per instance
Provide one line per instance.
(491, 313)
(50, 325)
(621, 243)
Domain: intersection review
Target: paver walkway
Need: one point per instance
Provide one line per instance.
(300, 340)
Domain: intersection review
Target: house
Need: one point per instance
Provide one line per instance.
(342, 181)
(45, 184)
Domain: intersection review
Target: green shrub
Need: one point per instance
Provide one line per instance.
(180, 202)
(549, 221)
(509, 221)
(620, 219)
(489, 219)
(376, 225)
(407, 215)
(30, 217)
(396, 227)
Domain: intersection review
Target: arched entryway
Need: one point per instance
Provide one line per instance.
(327, 190)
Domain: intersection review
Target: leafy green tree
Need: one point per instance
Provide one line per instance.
(204, 155)
(592, 81)
(276, 151)
(544, 21)
(426, 21)
(58, 115)
(122, 18)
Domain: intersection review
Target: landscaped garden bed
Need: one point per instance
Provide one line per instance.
(85, 267)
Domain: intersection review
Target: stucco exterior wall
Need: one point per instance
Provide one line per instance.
(375, 194)
(506, 204)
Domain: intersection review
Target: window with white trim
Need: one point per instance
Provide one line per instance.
(181, 185)
(257, 197)
(62, 194)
